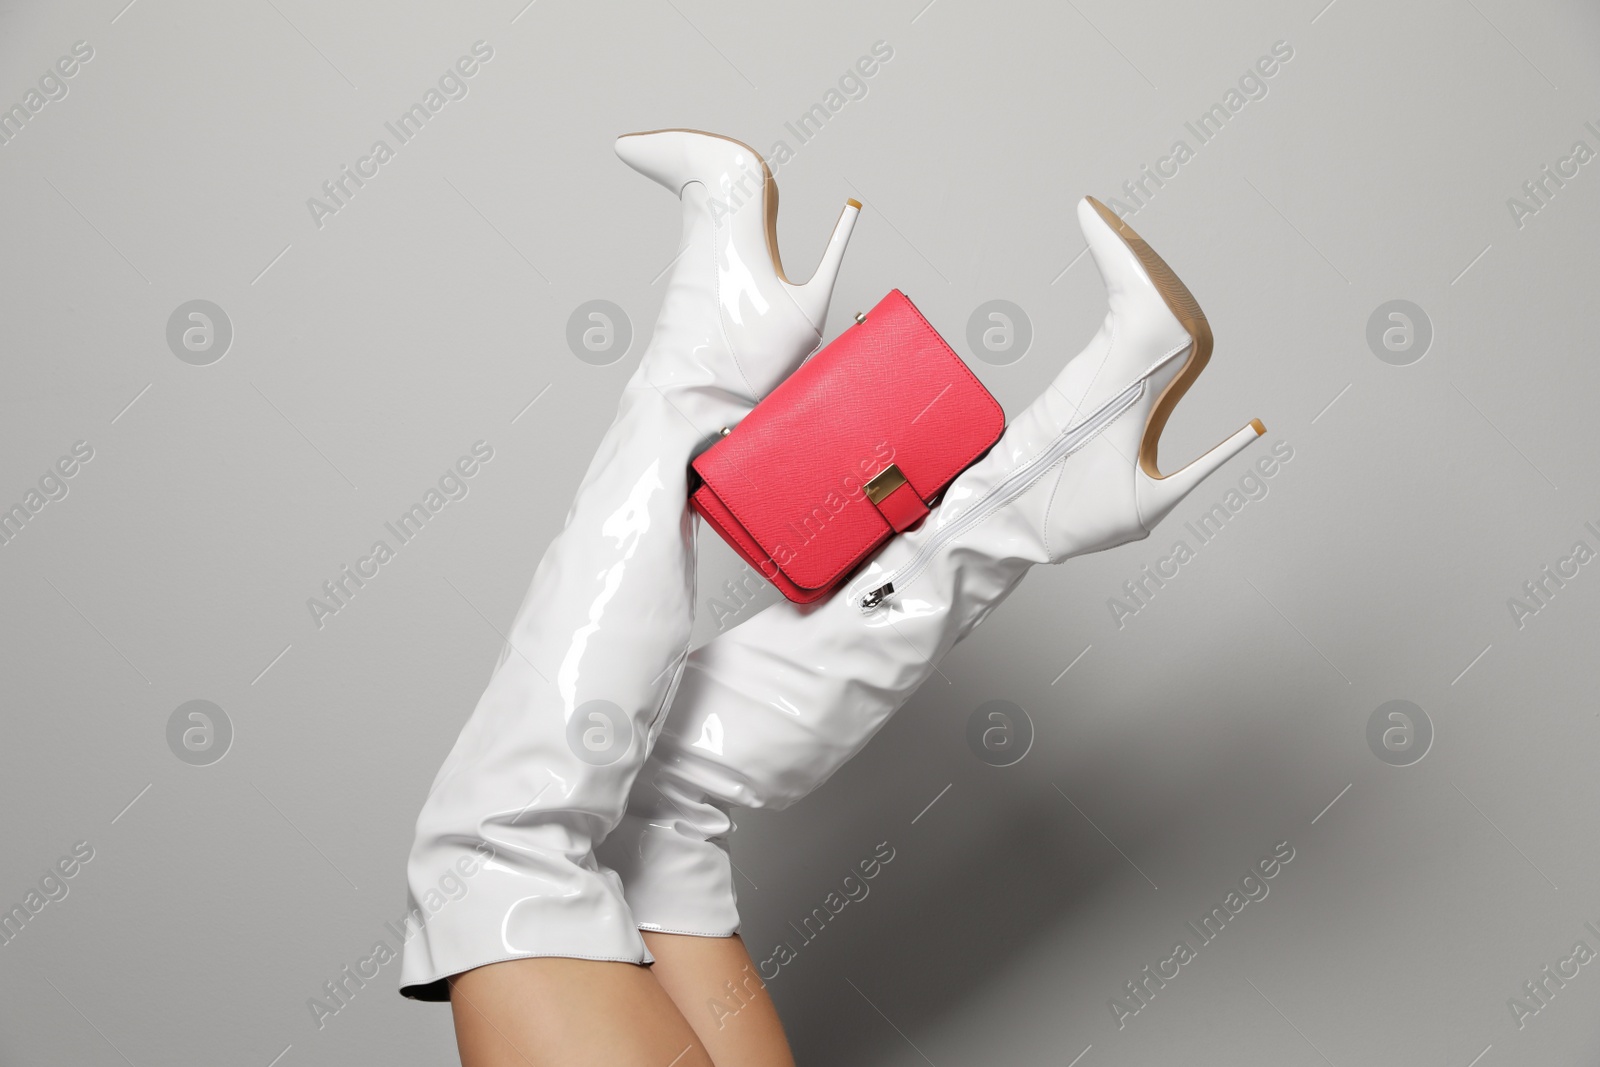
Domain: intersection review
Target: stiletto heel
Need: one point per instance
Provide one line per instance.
(813, 295)
(1158, 493)
(1158, 496)
(741, 199)
(1090, 440)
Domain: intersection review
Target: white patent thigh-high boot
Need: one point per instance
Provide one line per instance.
(769, 710)
(502, 865)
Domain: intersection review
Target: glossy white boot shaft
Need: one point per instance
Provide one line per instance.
(542, 768)
(768, 711)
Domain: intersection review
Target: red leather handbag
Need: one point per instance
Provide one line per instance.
(847, 452)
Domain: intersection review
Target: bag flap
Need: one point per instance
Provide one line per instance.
(795, 472)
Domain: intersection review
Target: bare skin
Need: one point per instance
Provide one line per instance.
(558, 1012)
(716, 986)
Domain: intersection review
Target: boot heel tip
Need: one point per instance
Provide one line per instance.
(853, 202)
(1259, 427)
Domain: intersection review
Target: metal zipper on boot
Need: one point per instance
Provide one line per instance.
(1011, 486)
(874, 598)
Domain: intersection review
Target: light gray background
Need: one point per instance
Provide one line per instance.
(1178, 750)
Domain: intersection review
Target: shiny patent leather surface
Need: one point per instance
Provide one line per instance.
(790, 489)
(544, 763)
(769, 710)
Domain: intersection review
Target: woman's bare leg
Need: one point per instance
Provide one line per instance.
(716, 987)
(558, 1012)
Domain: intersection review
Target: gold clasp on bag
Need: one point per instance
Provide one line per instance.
(883, 483)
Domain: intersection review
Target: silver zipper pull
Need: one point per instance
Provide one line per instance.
(874, 598)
